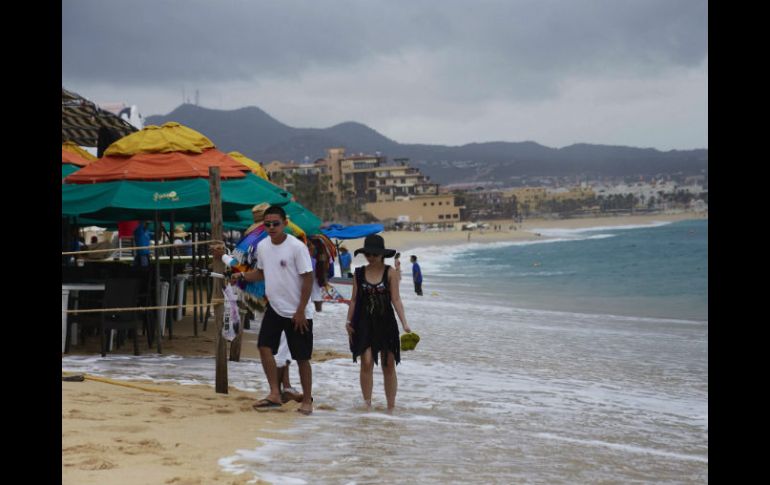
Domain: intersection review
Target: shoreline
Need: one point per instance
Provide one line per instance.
(404, 241)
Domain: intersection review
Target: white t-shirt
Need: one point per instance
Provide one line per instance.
(283, 264)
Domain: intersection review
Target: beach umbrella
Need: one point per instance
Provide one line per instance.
(72, 160)
(73, 148)
(160, 153)
(67, 169)
(339, 231)
(187, 198)
(255, 167)
(163, 169)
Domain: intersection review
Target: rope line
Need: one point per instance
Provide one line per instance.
(214, 302)
(125, 384)
(126, 248)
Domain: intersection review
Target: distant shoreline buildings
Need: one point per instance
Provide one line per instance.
(396, 193)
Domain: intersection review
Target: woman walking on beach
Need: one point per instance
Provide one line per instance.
(371, 322)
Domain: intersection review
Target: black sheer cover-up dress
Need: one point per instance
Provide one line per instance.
(374, 319)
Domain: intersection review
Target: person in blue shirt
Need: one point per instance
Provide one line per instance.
(142, 238)
(345, 261)
(416, 275)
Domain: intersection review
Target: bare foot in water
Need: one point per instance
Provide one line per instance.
(306, 407)
(291, 394)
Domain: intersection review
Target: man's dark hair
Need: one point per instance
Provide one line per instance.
(413, 257)
(274, 209)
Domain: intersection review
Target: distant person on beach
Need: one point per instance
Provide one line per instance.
(96, 245)
(397, 264)
(345, 261)
(371, 322)
(320, 261)
(142, 238)
(416, 275)
(187, 248)
(179, 239)
(284, 263)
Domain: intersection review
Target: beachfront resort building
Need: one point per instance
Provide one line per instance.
(287, 175)
(390, 191)
(370, 178)
(429, 209)
(371, 184)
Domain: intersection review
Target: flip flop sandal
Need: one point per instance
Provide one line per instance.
(75, 378)
(264, 404)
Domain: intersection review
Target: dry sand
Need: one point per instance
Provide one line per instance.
(113, 434)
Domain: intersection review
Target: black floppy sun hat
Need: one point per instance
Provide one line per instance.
(374, 244)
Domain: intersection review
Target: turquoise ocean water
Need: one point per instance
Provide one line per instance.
(578, 358)
(659, 271)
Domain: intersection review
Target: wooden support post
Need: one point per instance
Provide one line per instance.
(195, 279)
(219, 267)
(158, 229)
(171, 282)
(235, 345)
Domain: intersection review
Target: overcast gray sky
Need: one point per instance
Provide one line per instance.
(617, 72)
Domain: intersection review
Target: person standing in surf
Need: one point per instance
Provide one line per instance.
(284, 263)
(371, 320)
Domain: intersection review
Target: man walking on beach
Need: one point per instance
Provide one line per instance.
(416, 275)
(284, 263)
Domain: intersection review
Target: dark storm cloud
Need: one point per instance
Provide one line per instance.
(599, 71)
(498, 45)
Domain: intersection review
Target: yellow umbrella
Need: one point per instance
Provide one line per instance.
(256, 167)
(171, 137)
(73, 148)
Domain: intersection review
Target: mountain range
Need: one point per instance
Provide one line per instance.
(261, 137)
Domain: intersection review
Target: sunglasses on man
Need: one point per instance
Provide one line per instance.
(272, 223)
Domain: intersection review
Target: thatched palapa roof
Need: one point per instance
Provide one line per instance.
(81, 120)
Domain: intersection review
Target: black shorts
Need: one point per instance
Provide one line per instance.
(300, 344)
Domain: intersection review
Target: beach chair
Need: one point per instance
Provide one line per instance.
(121, 293)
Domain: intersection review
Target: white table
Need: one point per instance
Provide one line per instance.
(66, 288)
